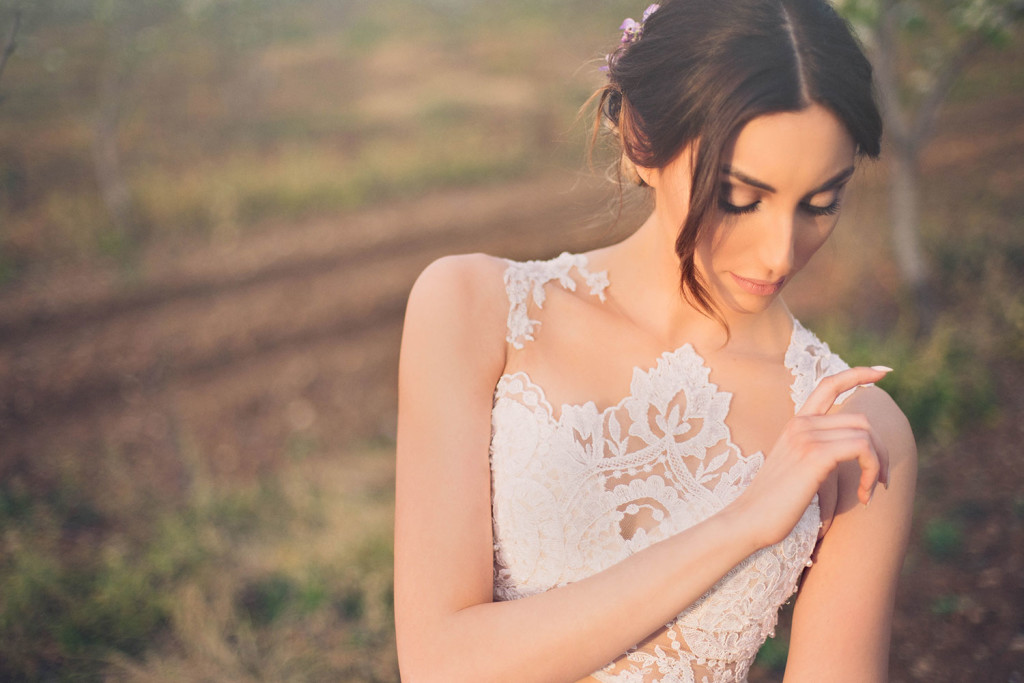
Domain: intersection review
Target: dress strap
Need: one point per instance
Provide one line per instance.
(526, 279)
(810, 360)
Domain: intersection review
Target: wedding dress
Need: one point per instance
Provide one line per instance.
(577, 491)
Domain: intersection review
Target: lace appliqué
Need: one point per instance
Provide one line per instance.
(810, 360)
(523, 279)
(577, 493)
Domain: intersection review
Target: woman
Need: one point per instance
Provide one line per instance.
(708, 450)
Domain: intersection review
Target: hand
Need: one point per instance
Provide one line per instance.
(811, 445)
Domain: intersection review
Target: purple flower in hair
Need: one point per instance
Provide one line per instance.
(632, 31)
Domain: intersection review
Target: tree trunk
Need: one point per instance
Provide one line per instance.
(110, 179)
(11, 42)
(904, 212)
(906, 141)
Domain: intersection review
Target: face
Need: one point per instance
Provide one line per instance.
(782, 183)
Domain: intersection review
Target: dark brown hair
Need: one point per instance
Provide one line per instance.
(705, 68)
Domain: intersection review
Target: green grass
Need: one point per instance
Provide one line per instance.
(221, 579)
(945, 605)
(773, 655)
(929, 383)
(943, 538)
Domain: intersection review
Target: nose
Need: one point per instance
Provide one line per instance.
(777, 247)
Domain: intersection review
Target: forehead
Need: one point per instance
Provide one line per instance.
(792, 148)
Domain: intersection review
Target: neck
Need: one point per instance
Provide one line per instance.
(645, 285)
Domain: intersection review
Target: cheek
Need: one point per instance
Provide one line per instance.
(811, 239)
(731, 237)
(707, 251)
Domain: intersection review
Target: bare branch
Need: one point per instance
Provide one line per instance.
(928, 109)
(11, 43)
(886, 77)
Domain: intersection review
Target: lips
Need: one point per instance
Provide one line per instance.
(758, 287)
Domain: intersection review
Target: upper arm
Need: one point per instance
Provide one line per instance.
(843, 614)
(452, 353)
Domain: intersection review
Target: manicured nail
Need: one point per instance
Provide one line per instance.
(881, 368)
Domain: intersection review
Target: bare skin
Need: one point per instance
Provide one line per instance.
(453, 353)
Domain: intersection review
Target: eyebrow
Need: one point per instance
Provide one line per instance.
(837, 179)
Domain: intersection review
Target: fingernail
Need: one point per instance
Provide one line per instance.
(881, 368)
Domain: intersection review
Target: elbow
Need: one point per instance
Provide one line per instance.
(421, 659)
(414, 665)
(412, 672)
(425, 667)
(420, 675)
(426, 659)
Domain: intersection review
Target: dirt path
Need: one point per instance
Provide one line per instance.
(237, 346)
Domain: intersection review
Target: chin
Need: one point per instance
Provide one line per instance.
(746, 303)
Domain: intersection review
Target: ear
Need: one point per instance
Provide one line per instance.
(648, 175)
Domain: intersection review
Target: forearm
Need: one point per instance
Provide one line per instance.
(568, 632)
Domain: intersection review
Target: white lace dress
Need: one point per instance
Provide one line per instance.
(574, 495)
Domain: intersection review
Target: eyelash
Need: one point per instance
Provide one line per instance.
(737, 210)
(830, 210)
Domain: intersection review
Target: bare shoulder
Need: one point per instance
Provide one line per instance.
(459, 281)
(468, 288)
(897, 448)
(886, 419)
(457, 311)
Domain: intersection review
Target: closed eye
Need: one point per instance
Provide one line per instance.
(726, 205)
(829, 210)
(834, 197)
(738, 210)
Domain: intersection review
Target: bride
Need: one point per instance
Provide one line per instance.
(618, 465)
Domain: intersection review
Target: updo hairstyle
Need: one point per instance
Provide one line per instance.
(704, 68)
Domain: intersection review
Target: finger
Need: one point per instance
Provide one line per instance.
(829, 389)
(836, 426)
(861, 450)
(826, 435)
(869, 469)
(883, 458)
(839, 426)
(839, 421)
(834, 421)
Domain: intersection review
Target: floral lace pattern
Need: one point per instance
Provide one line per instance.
(574, 494)
(529, 277)
(810, 360)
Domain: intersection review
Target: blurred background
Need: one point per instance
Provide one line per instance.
(211, 212)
